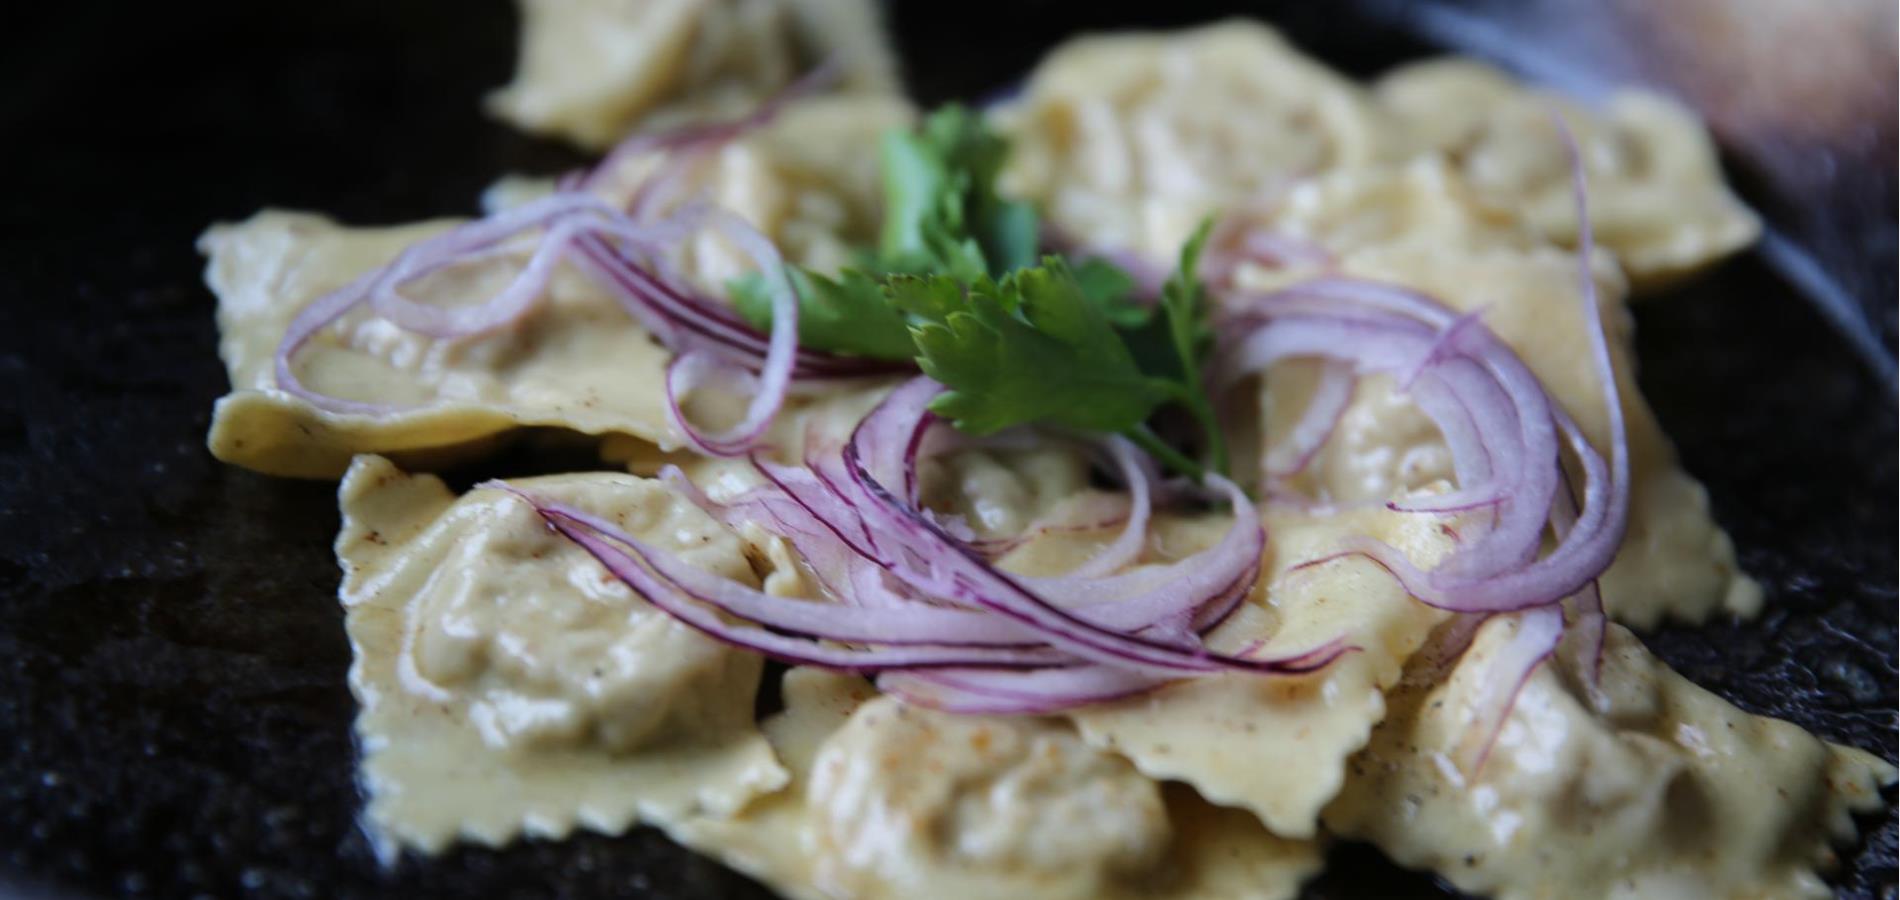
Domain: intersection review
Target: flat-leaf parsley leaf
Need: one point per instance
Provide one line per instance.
(1028, 348)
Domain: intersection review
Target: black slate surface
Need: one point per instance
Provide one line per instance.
(173, 715)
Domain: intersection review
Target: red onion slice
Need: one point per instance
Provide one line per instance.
(1445, 344)
(1050, 690)
(1037, 692)
(892, 436)
(934, 563)
(1587, 613)
(605, 543)
(1482, 396)
(305, 325)
(919, 625)
(1127, 545)
(1302, 442)
(906, 597)
(775, 374)
(1503, 431)
(1538, 632)
(563, 216)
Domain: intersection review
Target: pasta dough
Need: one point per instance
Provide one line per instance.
(1657, 198)
(1664, 791)
(510, 684)
(1054, 817)
(577, 362)
(593, 70)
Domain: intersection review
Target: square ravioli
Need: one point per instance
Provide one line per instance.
(1648, 787)
(510, 685)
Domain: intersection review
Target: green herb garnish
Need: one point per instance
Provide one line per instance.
(848, 314)
(1028, 348)
(955, 284)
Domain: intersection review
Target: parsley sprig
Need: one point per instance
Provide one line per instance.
(956, 283)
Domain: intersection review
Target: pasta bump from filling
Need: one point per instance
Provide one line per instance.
(1011, 808)
(506, 685)
(1026, 810)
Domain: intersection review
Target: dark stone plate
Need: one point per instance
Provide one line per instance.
(172, 702)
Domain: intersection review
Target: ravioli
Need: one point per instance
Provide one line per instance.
(577, 362)
(1127, 141)
(508, 684)
(1657, 198)
(591, 71)
(1675, 562)
(1663, 791)
(1277, 746)
(1031, 811)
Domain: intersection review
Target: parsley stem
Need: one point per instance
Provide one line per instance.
(1184, 300)
(1146, 439)
(1190, 398)
(1194, 396)
(1216, 442)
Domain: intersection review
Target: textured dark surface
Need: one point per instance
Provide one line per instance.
(172, 703)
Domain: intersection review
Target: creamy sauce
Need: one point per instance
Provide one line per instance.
(593, 70)
(509, 684)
